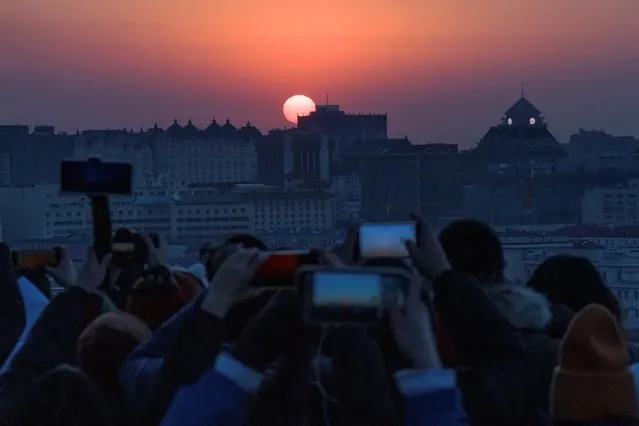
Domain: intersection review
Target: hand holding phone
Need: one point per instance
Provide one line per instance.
(36, 259)
(350, 295)
(427, 253)
(413, 328)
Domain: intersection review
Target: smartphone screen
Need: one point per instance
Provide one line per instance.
(335, 289)
(386, 239)
(35, 259)
(96, 177)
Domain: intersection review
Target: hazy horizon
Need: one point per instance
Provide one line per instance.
(444, 71)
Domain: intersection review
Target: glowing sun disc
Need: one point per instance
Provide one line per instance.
(297, 105)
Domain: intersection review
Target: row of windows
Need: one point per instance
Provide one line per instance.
(215, 211)
(211, 228)
(631, 195)
(291, 215)
(89, 222)
(216, 219)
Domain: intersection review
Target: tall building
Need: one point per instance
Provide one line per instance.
(612, 206)
(180, 154)
(287, 157)
(594, 151)
(521, 144)
(33, 158)
(344, 129)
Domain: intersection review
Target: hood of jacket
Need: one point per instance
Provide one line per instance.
(524, 308)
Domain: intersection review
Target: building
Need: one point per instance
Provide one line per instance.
(217, 154)
(5, 168)
(205, 213)
(42, 147)
(344, 129)
(538, 200)
(178, 155)
(390, 186)
(23, 211)
(593, 151)
(290, 157)
(616, 206)
(521, 144)
(347, 192)
(292, 210)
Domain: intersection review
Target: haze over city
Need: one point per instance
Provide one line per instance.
(443, 71)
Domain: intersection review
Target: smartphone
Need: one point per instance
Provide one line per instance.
(350, 295)
(386, 239)
(95, 177)
(279, 268)
(37, 259)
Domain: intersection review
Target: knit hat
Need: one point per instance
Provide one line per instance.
(159, 294)
(592, 381)
(107, 342)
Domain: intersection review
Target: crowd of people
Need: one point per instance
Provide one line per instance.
(167, 346)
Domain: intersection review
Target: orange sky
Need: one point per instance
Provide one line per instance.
(368, 54)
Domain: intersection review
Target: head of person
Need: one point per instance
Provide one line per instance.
(593, 381)
(205, 253)
(473, 247)
(246, 241)
(106, 342)
(158, 294)
(574, 282)
(63, 396)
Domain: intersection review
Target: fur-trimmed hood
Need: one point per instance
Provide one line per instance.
(523, 307)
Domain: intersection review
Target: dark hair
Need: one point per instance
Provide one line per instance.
(473, 247)
(574, 282)
(247, 240)
(206, 248)
(62, 396)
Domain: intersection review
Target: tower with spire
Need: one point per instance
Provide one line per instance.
(521, 138)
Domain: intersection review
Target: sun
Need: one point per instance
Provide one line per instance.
(297, 105)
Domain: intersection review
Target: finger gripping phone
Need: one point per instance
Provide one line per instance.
(386, 239)
(353, 296)
(37, 259)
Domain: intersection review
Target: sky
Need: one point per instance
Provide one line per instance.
(443, 71)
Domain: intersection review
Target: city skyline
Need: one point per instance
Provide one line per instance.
(442, 72)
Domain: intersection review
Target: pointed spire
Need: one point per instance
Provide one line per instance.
(190, 123)
(155, 126)
(175, 122)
